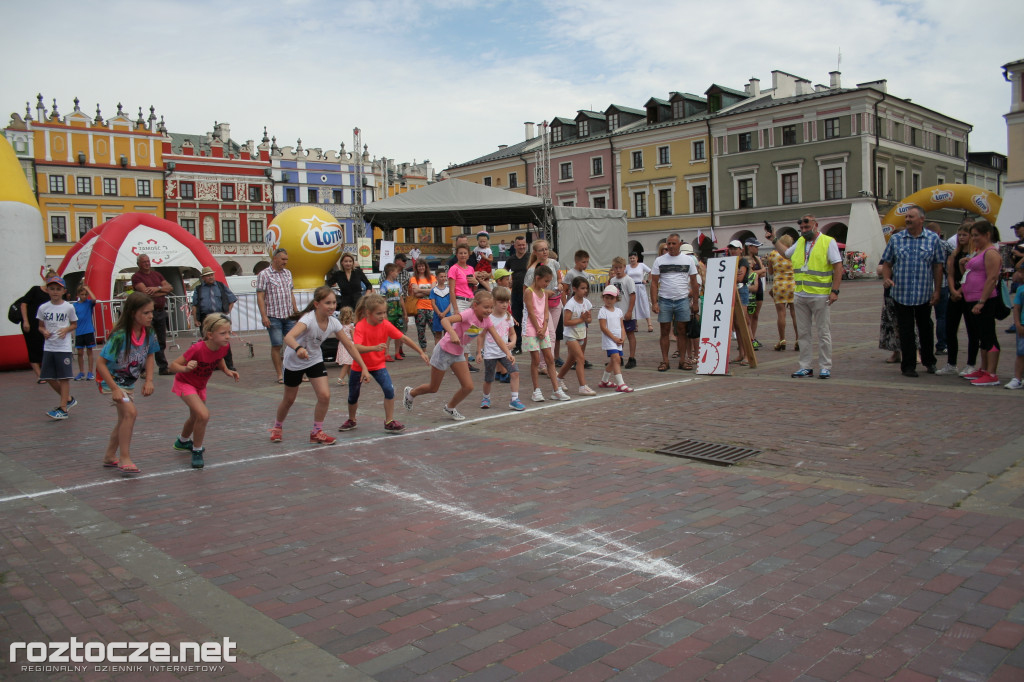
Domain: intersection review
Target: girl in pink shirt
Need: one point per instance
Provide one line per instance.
(191, 374)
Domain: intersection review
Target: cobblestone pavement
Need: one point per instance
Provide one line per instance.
(877, 534)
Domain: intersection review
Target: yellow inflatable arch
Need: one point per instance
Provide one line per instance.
(968, 197)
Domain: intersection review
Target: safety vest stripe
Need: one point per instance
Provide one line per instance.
(817, 273)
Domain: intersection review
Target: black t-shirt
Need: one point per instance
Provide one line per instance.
(350, 288)
(517, 266)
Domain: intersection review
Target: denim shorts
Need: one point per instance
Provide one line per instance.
(278, 329)
(491, 364)
(678, 309)
(382, 378)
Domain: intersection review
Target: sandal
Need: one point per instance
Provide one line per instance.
(740, 362)
(129, 469)
(623, 388)
(663, 367)
(675, 354)
(686, 365)
(112, 465)
(781, 345)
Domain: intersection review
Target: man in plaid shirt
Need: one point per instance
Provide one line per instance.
(912, 268)
(275, 297)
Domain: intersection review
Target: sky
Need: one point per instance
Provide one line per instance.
(450, 80)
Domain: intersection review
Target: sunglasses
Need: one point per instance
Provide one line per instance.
(804, 221)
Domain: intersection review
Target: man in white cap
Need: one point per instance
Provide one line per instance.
(211, 297)
(675, 296)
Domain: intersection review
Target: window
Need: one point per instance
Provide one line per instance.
(640, 205)
(833, 183)
(790, 188)
(613, 122)
(788, 135)
(583, 128)
(84, 224)
(83, 185)
(513, 180)
(745, 193)
(57, 184)
(937, 143)
(956, 148)
(831, 128)
(698, 150)
(228, 231)
(700, 199)
(880, 185)
(679, 109)
(664, 158)
(746, 142)
(664, 202)
(565, 171)
(638, 160)
(596, 166)
(256, 231)
(913, 137)
(556, 133)
(600, 202)
(569, 202)
(915, 181)
(189, 224)
(143, 188)
(291, 194)
(311, 195)
(58, 228)
(110, 187)
(487, 181)
(227, 192)
(254, 193)
(188, 190)
(901, 187)
(439, 235)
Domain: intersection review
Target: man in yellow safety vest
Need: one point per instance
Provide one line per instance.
(818, 272)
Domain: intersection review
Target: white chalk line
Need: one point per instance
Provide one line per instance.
(356, 442)
(611, 554)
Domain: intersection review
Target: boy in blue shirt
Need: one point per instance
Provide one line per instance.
(85, 333)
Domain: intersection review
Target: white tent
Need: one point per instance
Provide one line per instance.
(864, 233)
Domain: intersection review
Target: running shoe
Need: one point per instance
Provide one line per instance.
(197, 458)
(90, 376)
(560, 394)
(485, 402)
(587, 390)
(348, 425)
(969, 369)
(947, 370)
(562, 386)
(589, 365)
(973, 375)
(559, 362)
(71, 403)
(986, 379)
(473, 368)
(394, 427)
(801, 373)
(538, 396)
(1014, 384)
(180, 444)
(80, 376)
(453, 413)
(321, 438)
(824, 374)
(57, 413)
(276, 434)
(407, 398)
(471, 358)
(517, 405)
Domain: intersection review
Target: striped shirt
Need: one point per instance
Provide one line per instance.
(277, 287)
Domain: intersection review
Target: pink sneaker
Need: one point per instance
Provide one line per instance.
(986, 379)
(276, 434)
(974, 375)
(321, 438)
(348, 425)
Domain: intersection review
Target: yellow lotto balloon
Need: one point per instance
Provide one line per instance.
(313, 239)
(968, 197)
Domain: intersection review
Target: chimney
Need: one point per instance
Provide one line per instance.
(833, 80)
(529, 130)
(753, 88)
(502, 146)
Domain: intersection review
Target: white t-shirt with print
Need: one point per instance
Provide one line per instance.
(310, 340)
(501, 325)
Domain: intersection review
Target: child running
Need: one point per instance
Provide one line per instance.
(610, 319)
(576, 316)
(57, 323)
(504, 326)
(371, 336)
(535, 336)
(191, 374)
(450, 353)
(85, 333)
(347, 318)
(303, 356)
(127, 354)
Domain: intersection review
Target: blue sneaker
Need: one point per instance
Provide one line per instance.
(801, 373)
(517, 405)
(824, 374)
(471, 358)
(485, 403)
(57, 413)
(79, 376)
(90, 377)
(559, 362)
(185, 445)
(71, 403)
(197, 458)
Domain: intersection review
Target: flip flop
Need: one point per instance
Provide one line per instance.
(129, 469)
(41, 381)
(744, 363)
(112, 465)
(663, 367)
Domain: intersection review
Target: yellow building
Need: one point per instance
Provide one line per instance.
(89, 170)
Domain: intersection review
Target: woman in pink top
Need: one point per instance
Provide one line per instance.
(462, 279)
(981, 286)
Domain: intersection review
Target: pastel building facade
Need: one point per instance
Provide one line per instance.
(1012, 210)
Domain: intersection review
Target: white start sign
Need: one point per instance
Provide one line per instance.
(716, 319)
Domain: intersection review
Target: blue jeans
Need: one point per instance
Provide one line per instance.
(278, 329)
(673, 309)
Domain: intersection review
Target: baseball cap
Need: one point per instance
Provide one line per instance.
(610, 290)
(753, 242)
(735, 243)
(57, 280)
(483, 233)
(501, 272)
(206, 271)
(686, 248)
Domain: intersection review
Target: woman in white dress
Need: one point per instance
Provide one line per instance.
(641, 275)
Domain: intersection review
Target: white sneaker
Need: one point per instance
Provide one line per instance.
(453, 413)
(538, 396)
(969, 369)
(560, 395)
(407, 398)
(1014, 384)
(947, 370)
(587, 390)
(562, 386)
